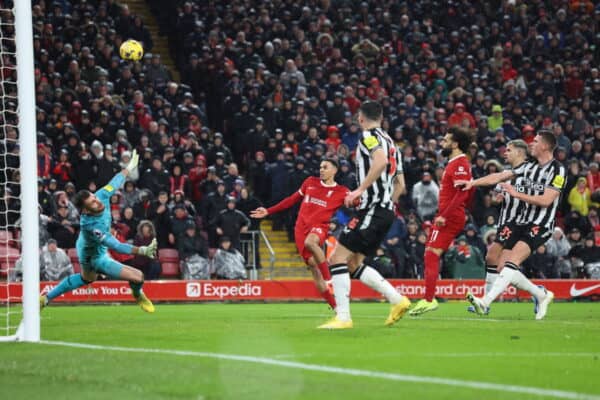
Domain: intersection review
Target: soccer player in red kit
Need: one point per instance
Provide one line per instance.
(321, 197)
(450, 219)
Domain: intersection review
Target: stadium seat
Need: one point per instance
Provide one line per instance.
(72, 253)
(169, 270)
(8, 258)
(76, 267)
(6, 237)
(169, 263)
(168, 255)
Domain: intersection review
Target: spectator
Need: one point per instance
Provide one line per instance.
(425, 196)
(190, 243)
(541, 264)
(231, 223)
(158, 214)
(580, 197)
(394, 243)
(54, 262)
(464, 261)
(150, 267)
(228, 261)
(63, 228)
(558, 246)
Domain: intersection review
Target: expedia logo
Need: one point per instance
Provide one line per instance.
(209, 289)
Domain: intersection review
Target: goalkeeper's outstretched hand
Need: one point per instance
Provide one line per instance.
(133, 163)
(150, 250)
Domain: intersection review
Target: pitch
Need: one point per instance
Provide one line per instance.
(273, 351)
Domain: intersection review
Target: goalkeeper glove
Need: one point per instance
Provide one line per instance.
(133, 163)
(150, 250)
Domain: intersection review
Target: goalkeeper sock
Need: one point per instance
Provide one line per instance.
(136, 288)
(68, 284)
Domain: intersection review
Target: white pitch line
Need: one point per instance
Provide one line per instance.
(559, 394)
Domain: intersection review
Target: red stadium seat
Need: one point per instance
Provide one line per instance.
(72, 253)
(8, 258)
(169, 270)
(76, 267)
(6, 237)
(168, 255)
(169, 263)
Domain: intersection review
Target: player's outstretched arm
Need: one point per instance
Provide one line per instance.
(542, 200)
(282, 205)
(488, 180)
(119, 179)
(125, 248)
(259, 213)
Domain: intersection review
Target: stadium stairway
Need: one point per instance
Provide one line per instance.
(288, 263)
(161, 44)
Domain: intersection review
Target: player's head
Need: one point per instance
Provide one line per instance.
(87, 202)
(516, 152)
(370, 112)
(456, 139)
(544, 142)
(328, 169)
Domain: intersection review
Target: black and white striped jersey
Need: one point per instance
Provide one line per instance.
(512, 207)
(537, 179)
(380, 192)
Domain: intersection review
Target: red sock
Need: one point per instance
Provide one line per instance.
(432, 267)
(329, 298)
(324, 268)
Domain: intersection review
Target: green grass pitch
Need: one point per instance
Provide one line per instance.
(182, 352)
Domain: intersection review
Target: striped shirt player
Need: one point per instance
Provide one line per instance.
(536, 223)
(375, 214)
(380, 182)
(511, 207)
(380, 193)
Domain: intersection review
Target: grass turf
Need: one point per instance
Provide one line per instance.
(508, 347)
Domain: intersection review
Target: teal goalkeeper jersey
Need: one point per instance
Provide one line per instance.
(96, 228)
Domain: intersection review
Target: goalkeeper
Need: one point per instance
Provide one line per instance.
(94, 240)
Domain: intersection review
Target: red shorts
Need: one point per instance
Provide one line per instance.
(301, 233)
(442, 237)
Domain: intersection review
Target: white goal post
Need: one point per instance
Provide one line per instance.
(22, 322)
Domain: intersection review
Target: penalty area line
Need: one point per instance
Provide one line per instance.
(559, 394)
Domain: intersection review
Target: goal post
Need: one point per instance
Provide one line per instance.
(19, 50)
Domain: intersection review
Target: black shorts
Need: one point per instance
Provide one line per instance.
(506, 232)
(365, 232)
(533, 235)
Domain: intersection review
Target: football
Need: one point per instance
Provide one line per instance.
(131, 50)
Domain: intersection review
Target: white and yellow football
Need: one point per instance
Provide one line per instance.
(131, 50)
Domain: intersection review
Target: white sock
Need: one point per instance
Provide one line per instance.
(340, 279)
(373, 279)
(491, 274)
(520, 281)
(505, 278)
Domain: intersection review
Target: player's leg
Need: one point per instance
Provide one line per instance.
(340, 279)
(511, 274)
(320, 282)
(135, 277)
(74, 281)
(372, 278)
(314, 244)
(491, 265)
(437, 243)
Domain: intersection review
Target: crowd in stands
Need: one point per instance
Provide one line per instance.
(268, 88)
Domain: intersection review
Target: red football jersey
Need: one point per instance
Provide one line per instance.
(458, 168)
(319, 201)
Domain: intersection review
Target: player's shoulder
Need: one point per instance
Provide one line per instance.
(311, 180)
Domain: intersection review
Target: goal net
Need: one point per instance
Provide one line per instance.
(19, 251)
